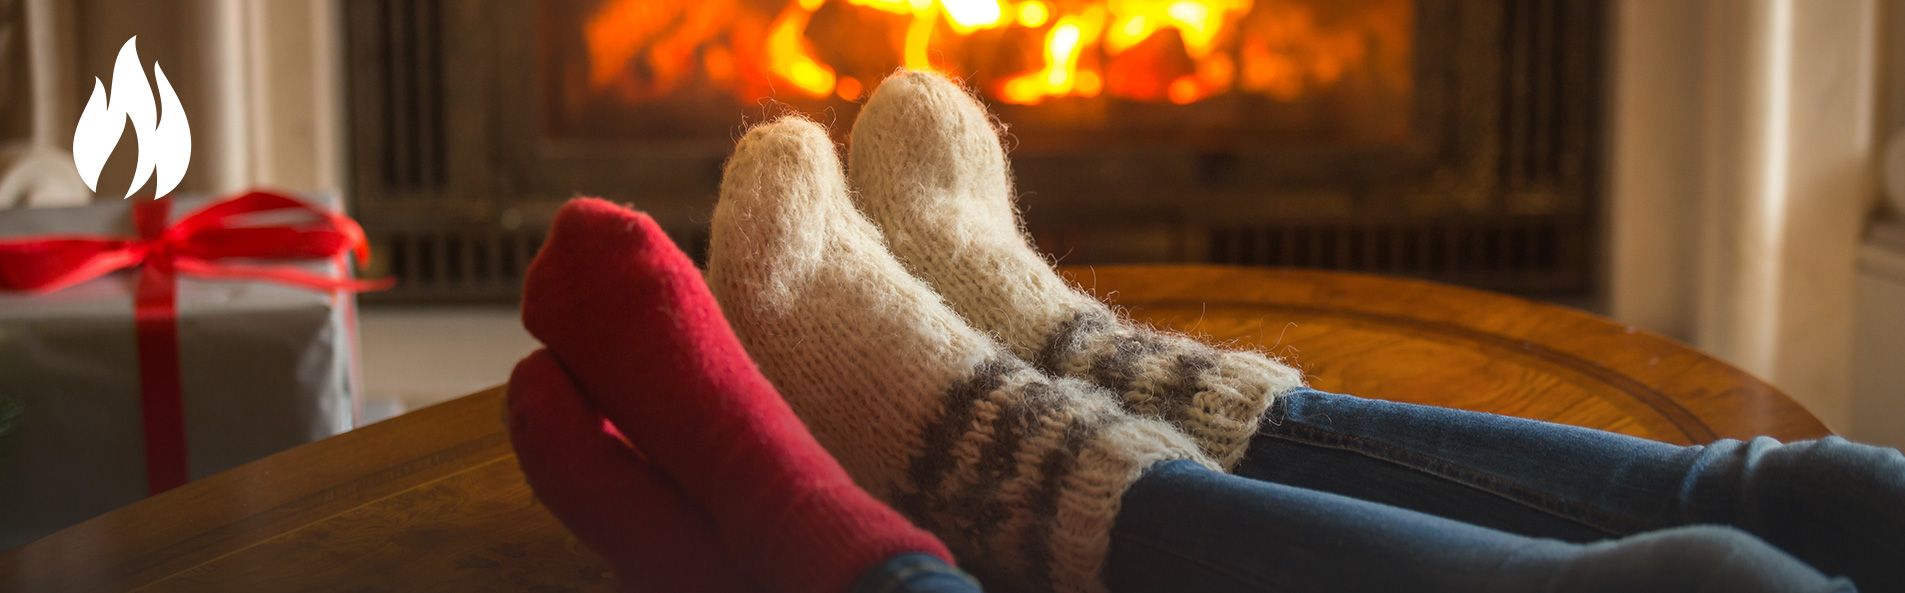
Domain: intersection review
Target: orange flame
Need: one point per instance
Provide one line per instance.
(1025, 51)
(1060, 76)
(788, 54)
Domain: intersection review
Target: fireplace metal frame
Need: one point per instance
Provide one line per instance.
(1496, 186)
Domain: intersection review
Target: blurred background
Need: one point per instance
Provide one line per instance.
(1713, 170)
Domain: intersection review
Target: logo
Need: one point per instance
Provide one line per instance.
(163, 136)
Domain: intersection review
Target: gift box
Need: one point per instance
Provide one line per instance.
(190, 355)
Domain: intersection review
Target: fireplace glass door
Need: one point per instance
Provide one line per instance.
(1448, 139)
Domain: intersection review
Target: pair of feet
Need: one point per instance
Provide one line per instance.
(927, 169)
(928, 348)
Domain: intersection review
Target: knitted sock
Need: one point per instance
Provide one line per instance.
(933, 176)
(1020, 473)
(606, 495)
(630, 318)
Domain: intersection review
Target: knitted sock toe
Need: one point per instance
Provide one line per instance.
(630, 318)
(608, 497)
(933, 176)
(1020, 473)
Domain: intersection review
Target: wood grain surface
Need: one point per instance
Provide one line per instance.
(433, 501)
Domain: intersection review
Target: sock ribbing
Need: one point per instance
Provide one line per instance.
(934, 177)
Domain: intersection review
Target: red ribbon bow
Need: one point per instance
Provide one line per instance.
(193, 246)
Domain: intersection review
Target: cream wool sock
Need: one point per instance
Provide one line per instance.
(1020, 473)
(933, 176)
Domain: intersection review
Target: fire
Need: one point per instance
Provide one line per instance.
(789, 55)
(1061, 76)
(1033, 14)
(1018, 51)
(967, 16)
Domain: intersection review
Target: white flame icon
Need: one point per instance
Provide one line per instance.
(164, 137)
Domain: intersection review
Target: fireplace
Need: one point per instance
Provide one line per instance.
(1447, 139)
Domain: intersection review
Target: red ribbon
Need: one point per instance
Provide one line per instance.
(193, 246)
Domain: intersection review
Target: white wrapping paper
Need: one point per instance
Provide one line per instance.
(264, 367)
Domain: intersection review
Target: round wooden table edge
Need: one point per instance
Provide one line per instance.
(1453, 310)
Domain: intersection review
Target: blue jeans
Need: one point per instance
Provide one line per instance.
(1186, 528)
(1837, 505)
(914, 573)
(1346, 494)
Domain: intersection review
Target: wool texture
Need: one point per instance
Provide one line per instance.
(933, 177)
(605, 493)
(1019, 472)
(628, 315)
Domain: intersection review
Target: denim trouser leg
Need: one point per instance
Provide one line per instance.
(1183, 528)
(1837, 505)
(913, 573)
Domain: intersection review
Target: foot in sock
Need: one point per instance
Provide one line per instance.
(615, 502)
(628, 315)
(933, 177)
(1019, 472)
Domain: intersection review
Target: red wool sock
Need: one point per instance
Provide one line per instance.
(603, 492)
(631, 319)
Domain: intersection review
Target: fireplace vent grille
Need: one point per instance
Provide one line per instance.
(1531, 255)
(1522, 255)
(401, 43)
(484, 265)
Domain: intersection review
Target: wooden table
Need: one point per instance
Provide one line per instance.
(432, 500)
